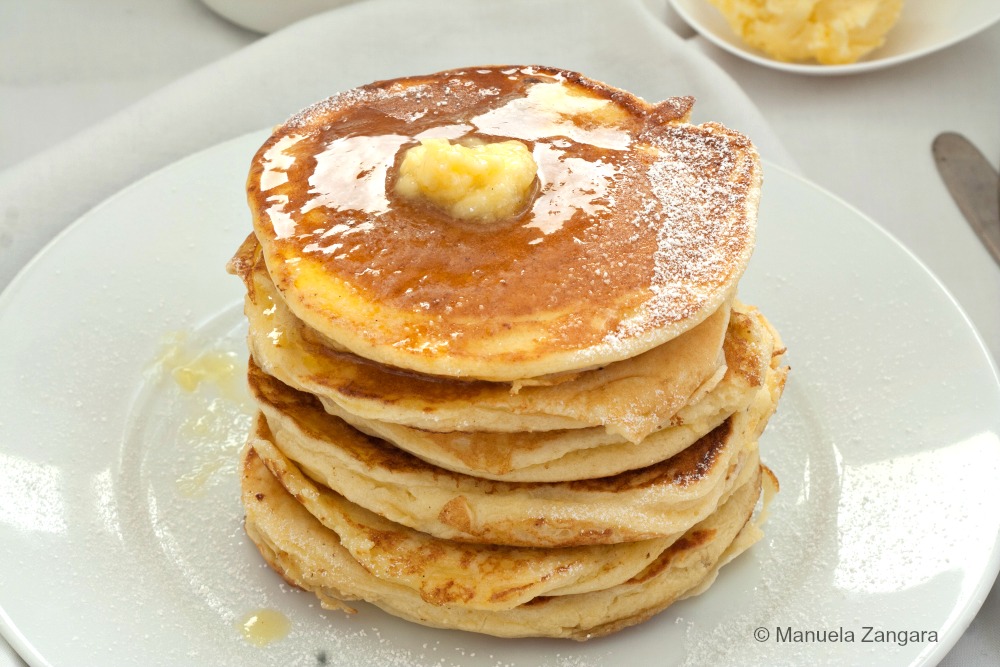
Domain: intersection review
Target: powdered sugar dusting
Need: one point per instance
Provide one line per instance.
(407, 100)
(701, 203)
(391, 100)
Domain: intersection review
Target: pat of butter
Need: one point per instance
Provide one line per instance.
(484, 182)
(831, 32)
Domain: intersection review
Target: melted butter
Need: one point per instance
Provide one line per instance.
(264, 626)
(483, 182)
(216, 405)
(353, 174)
(191, 367)
(216, 367)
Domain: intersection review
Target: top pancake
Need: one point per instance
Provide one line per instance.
(640, 224)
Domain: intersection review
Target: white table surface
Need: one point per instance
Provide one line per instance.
(66, 66)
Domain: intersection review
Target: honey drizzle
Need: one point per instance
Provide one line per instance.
(218, 407)
(264, 626)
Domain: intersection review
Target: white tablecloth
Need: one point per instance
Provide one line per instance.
(130, 87)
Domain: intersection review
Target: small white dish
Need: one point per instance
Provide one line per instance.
(266, 16)
(924, 26)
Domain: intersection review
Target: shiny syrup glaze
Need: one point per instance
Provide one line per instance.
(613, 225)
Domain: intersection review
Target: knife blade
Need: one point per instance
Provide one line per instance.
(974, 184)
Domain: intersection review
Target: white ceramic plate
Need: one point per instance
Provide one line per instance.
(924, 26)
(120, 528)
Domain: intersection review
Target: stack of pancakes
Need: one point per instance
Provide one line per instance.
(539, 425)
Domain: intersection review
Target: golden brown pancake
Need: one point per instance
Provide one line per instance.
(311, 556)
(656, 501)
(639, 228)
(564, 455)
(441, 570)
(630, 398)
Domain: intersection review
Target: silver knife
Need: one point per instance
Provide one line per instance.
(974, 184)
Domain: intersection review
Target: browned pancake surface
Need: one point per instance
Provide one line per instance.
(640, 227)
